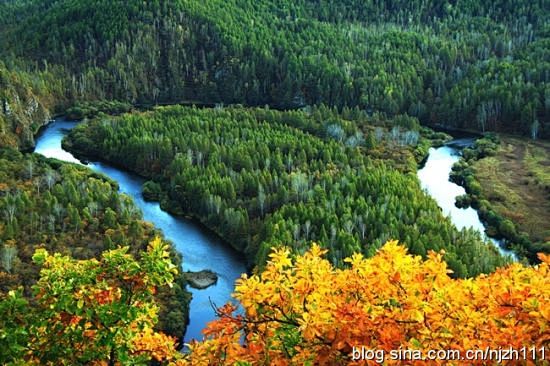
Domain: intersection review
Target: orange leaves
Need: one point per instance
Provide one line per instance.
(75, 320)
(106, 296)
(227, 324)
(90, 310)
(159, 346)
(304, 310)
(544, 258)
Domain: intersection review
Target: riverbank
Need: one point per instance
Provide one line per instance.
(434, 178)
(198, 248)
(261, 179)
(154, 193)
(507, 179)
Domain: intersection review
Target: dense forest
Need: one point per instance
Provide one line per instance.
(474, 65)
(259, 181)
(67, 209)
(293, 129)
(27, 101)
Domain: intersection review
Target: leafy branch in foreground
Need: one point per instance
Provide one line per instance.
(302, 310)
(99, 311)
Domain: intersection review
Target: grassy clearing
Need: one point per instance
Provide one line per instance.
(537, 160)
(516, 181)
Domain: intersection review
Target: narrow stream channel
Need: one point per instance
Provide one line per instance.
(434, 177)
(200, 248)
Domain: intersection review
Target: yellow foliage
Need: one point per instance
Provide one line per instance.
(157, 345)
(303, 310)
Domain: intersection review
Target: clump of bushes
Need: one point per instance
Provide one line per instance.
(83, 110)
(151, 191)
(463, 201)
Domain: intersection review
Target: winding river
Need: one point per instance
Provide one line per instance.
(200, 249)
(434, 177)
(204, 250)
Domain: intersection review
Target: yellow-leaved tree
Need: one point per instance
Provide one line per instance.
(90, 312)
(299, 311)
(302, 310)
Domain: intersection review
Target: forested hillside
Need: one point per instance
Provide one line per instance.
(67, 209)
(292, 129)
(258, 181)
(477, 65)
(27, 101)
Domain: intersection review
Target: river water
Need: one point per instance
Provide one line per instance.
(204, 250)
(434, 178)
(200, 248)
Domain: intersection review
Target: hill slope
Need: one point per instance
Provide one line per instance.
(473, 65)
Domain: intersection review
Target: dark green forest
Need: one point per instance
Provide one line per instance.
(258, 181)
(470, 64)
(271, 122)
(68, 209)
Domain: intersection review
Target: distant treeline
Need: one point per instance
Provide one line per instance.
(477, 64)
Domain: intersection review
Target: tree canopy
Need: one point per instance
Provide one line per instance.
(302, 310)
(299, 310)
(257, 179)
(67, 209)
(474, 65)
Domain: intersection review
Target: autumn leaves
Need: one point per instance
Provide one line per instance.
(303, 310)
(299, 310)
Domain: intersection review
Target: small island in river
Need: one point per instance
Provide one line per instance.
(201, 279)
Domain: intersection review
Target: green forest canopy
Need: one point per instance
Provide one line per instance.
(64, 208)
(469, 64)
(258, 181)
(256, 176)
